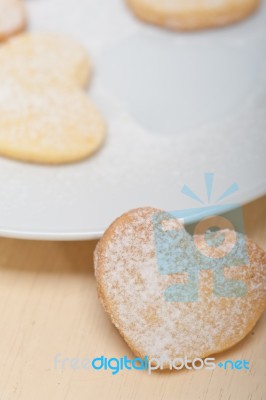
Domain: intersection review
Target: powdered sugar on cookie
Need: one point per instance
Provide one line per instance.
(45, 59)
(192, 14)
(12, 18)
(49, 125)
(132, 291)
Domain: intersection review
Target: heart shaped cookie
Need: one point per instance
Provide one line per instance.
(45, 117)
(41, 59)
(192, 14)
(169, 294)
(48, 125)
(12, 18)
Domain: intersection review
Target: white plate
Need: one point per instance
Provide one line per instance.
(177, 105)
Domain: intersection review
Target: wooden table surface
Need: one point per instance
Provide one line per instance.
(49, 305)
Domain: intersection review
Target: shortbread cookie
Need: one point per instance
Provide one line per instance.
(192, 14)
(45, 59)
(49, 125)
(132, 289)
(12, 18)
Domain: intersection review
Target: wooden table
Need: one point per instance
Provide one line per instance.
(49, 305)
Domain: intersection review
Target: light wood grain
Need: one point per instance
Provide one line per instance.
(49, 305)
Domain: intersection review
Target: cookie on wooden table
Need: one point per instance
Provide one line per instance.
(160, 310)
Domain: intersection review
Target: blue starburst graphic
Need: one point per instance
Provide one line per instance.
(209, 177)
(178, 252)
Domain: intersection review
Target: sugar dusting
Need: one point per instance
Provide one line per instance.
(131, 289)
(11, 17)
(44, 117)
(51, 123)
(45, 58)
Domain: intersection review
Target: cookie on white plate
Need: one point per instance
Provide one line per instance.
(51, 125)
(45, 59)
(12, 18)
(192, 14)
